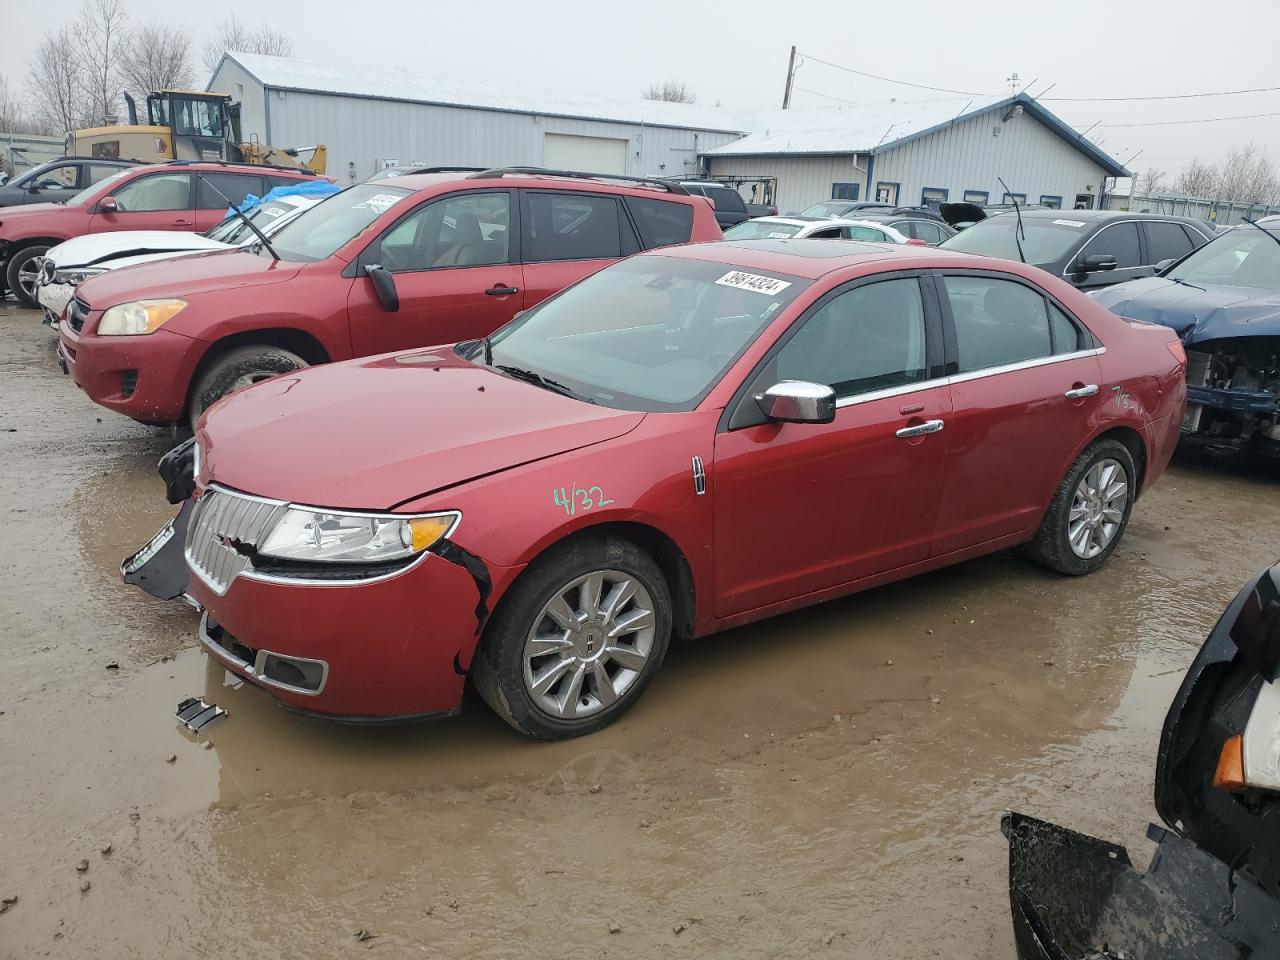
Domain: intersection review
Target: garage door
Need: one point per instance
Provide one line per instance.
(560, 151)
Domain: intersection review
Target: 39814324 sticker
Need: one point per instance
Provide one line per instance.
(754, 282)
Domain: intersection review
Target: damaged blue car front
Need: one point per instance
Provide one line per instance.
(1224, 301)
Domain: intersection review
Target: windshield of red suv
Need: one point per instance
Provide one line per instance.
(650, 333)
(333, 222)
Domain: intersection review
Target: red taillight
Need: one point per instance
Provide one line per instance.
(916, 242)
(1175, 348)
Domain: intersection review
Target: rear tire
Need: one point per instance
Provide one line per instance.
(236, 369)
(577, 639)
(23, 273)
(1090, 511)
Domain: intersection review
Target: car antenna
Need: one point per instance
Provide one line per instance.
(1018, 213)
(247, 222)
(1255, 223)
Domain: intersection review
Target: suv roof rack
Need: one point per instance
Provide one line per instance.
(244, 163)
(447, 168)
(578, 175)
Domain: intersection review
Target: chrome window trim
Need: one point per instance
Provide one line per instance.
(907, 388)
(251, 574)
(253, 671)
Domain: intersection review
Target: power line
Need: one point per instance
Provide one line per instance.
(1169, 123)
(873, 103)
(1165, 96)
(903, 83)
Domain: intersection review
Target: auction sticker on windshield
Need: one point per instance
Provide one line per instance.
(1069, 223)
(381, 201)
(753, 282)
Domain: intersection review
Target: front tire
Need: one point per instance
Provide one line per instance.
(235, 370)
(576, 641)
(23, 273)
(1090, 511)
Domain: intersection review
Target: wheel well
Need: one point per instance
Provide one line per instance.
(19, 245)
(287, 338)
(669, 557)
(1137, 449)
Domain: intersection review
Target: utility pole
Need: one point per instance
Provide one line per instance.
(791, 76)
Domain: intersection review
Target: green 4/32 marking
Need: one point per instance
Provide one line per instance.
(579, 498)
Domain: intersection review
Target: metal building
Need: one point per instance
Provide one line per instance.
(369, 118)
(921, 153)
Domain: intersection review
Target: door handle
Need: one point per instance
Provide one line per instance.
(920, 429)
(500, 291)
(182, 223)
(1087, 390)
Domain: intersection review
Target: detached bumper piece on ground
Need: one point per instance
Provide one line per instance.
(1212, 891)
(196, 715)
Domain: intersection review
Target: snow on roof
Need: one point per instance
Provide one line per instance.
(310, 75)
(851, 129)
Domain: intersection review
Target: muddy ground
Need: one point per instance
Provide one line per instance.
(828, 783)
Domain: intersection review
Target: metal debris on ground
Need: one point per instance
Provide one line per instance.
(195, 714)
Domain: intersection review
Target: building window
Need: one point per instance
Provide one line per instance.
(845, 191)
(1019, 198)
(1084, 201)
(1053, 203)
(980, 197)
(887, 192)
(932, 196)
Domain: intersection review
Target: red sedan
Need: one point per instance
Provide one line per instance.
(688, 440)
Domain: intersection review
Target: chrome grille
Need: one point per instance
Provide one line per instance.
(222, 518)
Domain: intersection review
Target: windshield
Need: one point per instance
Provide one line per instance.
(762, 230)
(649, 333)
(1243, 257)
(318, 232)
(1046, 241)
(832, 208)
(101, 188)
(266, 217)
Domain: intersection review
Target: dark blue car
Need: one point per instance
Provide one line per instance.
(1224, 302)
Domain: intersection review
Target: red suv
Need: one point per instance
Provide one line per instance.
(427, 258)
(689, 440)
(183, 195)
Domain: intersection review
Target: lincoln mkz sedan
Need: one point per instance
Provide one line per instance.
(691, 439)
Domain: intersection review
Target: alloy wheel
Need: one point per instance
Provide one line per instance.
(1097, 508)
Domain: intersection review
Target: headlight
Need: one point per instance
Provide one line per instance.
(76, 276)
(329, 537)
(138, 317)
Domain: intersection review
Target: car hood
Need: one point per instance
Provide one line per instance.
(374, 433)
(1198, 313)
(24, 212)
(94, 249)
(957, 212)
(185, 277)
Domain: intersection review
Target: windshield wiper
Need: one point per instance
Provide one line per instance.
(538, 380)
(1017, 213)
(1185, 283)
(262, 237)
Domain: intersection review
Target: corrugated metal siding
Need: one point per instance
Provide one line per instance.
(801, 180)
(1030, 157)
(359, 133)
(232, 80)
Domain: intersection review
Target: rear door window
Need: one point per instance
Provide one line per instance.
(661, 222)
(928, 232)
(98, 172)
(726, 200)
(1166, 241)
(997, 322)
(572, 226)
(831, 234)
(235, 187)
(1120, 240)
(866, 233)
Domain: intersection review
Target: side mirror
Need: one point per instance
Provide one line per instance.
(1096, 263)
(107, 205)
(34, 187)
(384, 287)
(1165, 264)
(798, 401)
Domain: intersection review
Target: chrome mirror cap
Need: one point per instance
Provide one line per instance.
(798, 401)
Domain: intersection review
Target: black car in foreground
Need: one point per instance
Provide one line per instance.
(1224, 302)
(1087, 248)
(59, 179)
(1212, 890)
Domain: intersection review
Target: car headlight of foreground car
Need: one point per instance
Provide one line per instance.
(327, 536)
(139, 317)
(76, 275)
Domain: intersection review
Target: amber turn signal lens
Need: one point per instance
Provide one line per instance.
(1230, 773)
(427, 530)
(1179, 354)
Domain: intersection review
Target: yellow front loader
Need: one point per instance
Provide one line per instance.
(187, 125)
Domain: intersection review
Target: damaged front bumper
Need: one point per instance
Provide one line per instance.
(389, 648)
(1233, 395)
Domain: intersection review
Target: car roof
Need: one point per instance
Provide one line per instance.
(600, 183)
(1090, 216)
(812, 259)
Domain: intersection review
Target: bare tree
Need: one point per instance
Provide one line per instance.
(12, 114)
(1197, 179)
(101, 36)
(56, 80)
(158, 58)
(1150, 183)
(672, 91)
(235, 36)
(1247, 175)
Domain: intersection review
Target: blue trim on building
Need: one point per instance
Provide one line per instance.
(1020, 197)
(1057, 201)
(871, 167)
(986, 196)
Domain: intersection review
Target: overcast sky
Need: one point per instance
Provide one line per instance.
(735, 53)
